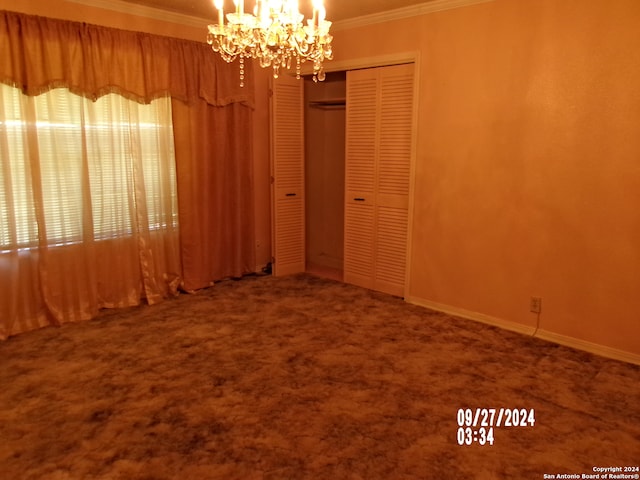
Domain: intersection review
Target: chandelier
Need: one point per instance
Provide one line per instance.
(274, 34)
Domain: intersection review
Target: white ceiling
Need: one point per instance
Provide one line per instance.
(336, 9)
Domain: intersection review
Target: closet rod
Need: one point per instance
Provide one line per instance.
(332, 103)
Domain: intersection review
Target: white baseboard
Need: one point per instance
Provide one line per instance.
(572, 342)
(590, 347)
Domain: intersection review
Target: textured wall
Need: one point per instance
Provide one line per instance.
(528, 161)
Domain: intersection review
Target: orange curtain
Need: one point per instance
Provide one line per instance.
(215, 188)
(211, 115)
(38, 53)
(88, 206)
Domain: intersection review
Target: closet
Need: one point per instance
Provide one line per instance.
(377, 174)
(324, 127)
(340, 195)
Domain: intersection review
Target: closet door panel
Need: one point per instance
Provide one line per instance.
(290, 236)
(362, 133)
(360, 161)
(378, 166)
(393, 176)
(391, 247)
(359, 244)
(396, 116)
(287, 144)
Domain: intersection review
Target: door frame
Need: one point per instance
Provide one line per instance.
(384, 61)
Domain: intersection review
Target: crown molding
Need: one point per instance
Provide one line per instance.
(358, 63)
(179, 18)
(146, 12)
(404, 12)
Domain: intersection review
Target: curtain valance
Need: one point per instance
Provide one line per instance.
(38, 54)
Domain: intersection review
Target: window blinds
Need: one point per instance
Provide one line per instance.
(85, 165)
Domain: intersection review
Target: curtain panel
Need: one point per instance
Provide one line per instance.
(217, 236)
(211, 114)
(39, 53)
(88, 206)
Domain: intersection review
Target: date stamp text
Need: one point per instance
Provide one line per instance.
(476, 425)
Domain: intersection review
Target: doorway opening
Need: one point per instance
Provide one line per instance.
(324, 120)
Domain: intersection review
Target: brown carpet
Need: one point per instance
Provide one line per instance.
(302, 378)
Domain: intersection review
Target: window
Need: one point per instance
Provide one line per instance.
(73, 169)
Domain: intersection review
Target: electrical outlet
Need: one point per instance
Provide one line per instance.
(536, 304)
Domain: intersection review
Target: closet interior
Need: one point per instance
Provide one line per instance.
(324, 120)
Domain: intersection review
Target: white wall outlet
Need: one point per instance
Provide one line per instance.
(535, 305)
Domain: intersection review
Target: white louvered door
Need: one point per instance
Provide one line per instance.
(287, 144)
(378, 159)
(392, 186)
(360, 155)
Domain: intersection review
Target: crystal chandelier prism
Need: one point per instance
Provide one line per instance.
(274, 34)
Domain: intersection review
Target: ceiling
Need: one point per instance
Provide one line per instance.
(336, 9)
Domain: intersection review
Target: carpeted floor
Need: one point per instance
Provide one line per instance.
(302, 378)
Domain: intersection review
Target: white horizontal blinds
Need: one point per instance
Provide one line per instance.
(81, 165)
(360, 160)
(157, 146)
(288, 172)
(394, 161)
(152, 128)
(110, 166)
(122, 133)
(59, 133)
(17, 213)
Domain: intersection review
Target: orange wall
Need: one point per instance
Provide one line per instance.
(83, 13)
(528, 161)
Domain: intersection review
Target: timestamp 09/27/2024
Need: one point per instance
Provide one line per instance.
(477, 425)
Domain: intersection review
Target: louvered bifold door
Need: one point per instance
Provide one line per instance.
(392, 179)
(287, 147)
(360, 161)
(377, 171)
